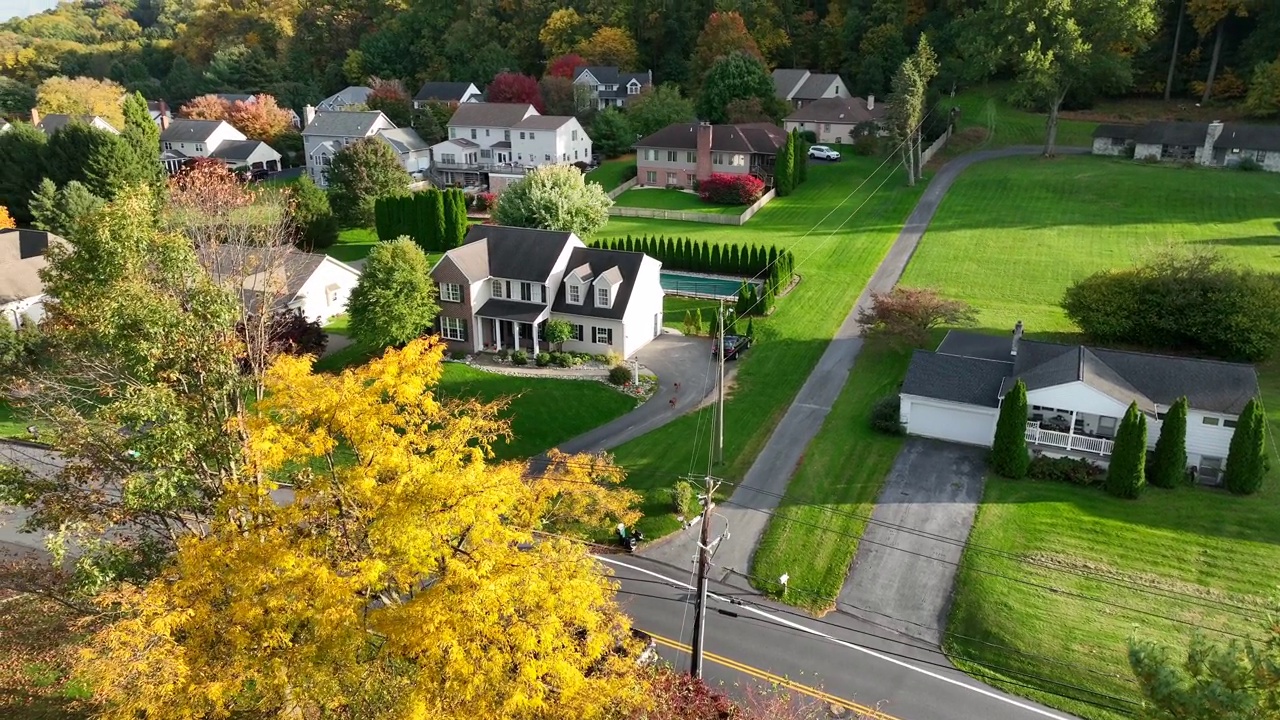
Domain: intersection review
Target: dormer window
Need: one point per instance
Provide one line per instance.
(602, 297)
(575, 294)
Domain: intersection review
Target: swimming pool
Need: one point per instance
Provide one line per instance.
(676, 283)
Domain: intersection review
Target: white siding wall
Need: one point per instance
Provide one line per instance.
(1079, 397)
(223, 133)
(30, 309)
(1211, 440)
(643, 319)
(485, 137)
(320, 302)
(587, 323)
(954, 422)
(828, 133)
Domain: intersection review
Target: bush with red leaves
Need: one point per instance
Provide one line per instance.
(726, 189)
(485, 201)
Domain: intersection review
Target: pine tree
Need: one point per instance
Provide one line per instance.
(1009, 449)
(1126, 474)
(732, 260)
(751, 328)
(784, 167)
(697, 321)
(1247, 458)
(717, 264)
(455, 207)
(772, 260)
(46, 211)
(743, 305)
(801, 158)
(1169, 463)
(688, 322)
(433, 219)
(753, 306)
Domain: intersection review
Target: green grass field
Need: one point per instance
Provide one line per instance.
(664, 199)
(809, 537)
(674, 307)
(1009, 238)
(988, 121)
(353, 244)
(12, 426)
(836, 251)
(610, 172)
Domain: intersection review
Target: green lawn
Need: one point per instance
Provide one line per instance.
(338, 325)
(664, 199)
(674, 307)
(988, 121)
(835, 263)
(1009, 238)
(12, 426)
(610, 172)
(353, 244)
(809, 537)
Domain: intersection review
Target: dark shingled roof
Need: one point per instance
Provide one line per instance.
(1116, 130)
(1249, 137)
(1172, 133)
(838, 110)
(814, 86)
(973, 381)
(543, 122)
(1146, 378)
(519, 253)
(244, 150)
(446, 91)
(511, 310)
(182, 130)
(747, 137)
(611, 75)
(257, 270)
(502, 115)
(601, 262)
(786, 79)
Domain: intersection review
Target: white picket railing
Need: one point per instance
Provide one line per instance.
(1053, 438)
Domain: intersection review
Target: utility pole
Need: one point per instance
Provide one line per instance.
(704, 568)
(720, 398)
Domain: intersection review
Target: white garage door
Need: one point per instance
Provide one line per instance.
(952, 422)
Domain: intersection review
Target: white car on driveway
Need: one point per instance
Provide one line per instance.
(822, 152)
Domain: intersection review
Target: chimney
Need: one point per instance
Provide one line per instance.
(35, 116)
(1210, 139)
(308, 114)
(1017, 336)
(164, 118)
(704, 150)
(871, 102)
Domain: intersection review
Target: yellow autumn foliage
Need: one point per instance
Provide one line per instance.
(399, 577)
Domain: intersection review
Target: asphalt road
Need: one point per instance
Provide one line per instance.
(838, 661)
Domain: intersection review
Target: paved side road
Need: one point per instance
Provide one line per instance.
(758, 494)
(905, 569)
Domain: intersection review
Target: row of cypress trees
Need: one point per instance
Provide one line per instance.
(791, 168)
(770, 265)
(435, 219)
(1128, 472)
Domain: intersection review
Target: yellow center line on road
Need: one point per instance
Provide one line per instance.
(864, 711)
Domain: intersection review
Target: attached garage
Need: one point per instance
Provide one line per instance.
(953, 422)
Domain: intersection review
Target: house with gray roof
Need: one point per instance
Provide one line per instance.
(1214, 144)
(22, 258)
(326, 133)
(607, 86)
(837, 119)
(1076, 395)
(182, 140)
(345, 99)
(682, 153)
(53, 122)
(282, 279)
(495, 144)
(501, 286)
(799, 87)
(447, 92)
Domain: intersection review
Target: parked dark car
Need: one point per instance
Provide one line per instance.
(733, 344)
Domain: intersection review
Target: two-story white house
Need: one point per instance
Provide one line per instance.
(609, 87)
(499, 288)
(182, 140)
(496, 143)
(325, 134)
(447, 92)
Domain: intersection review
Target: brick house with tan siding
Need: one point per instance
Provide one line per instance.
(681, 153)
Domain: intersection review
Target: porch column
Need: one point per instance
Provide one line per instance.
(497, 334)
(516, 345)
(477, 341)
(1071, 430)
(534, 331)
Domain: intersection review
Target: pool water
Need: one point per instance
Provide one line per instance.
(674, 283)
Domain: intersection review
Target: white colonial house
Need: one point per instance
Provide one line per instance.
(499, 288)
(182, 140)
(22, 257)
(314, 285)
(1076, 395)
(497, 143)
(607, 86)
(327, 133)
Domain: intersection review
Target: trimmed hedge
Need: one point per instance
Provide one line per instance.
(772, 267)
(435, 219)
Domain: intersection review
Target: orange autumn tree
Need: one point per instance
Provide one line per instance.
(402, 576)
(6, 220)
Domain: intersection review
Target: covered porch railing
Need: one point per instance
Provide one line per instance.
(1067, 440)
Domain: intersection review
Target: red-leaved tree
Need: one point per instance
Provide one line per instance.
(564, 65)
(727, 189)
(907, 315)
(260, 119)
(515, 88)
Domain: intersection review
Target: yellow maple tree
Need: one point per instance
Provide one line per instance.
(402, 575)
(6, 220)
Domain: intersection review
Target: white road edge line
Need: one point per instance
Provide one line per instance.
(929, 673)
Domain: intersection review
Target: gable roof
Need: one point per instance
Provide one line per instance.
(747, 137)
(500, 115)
(344, 123)
(1145, 378)
(235, 97)
(611, 75)
(404, 139)
(280, 271)
(352, 95)
(1172, 133)
(52, 123)
(182, 130)
(838, 110)
(516, 253)
(544, 122)
(1116, 130)
(1243, 136)
(447, 91)
(787, 80)
(814, 86)
(244, 150)
(623, 265)
(973, 381)
(21, 260)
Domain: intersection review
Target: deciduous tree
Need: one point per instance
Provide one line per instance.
(559, 95)
(1055, 46)
(82, 97)
(261, 118)
(610, 46)
(1009, 456)
(724, 34)
(313, 219)
(1247, 457)
(511, 87)
(554, 197)
(16, 98)
(395, 300)
(562, 32)
(565, 65)
(737, 76)
(657, 107)
(1169, 462)
(908, 315)
(205, 107)
(391, 98)
(1264, 91)
(1210, 16)
(557, 331)
(1126, 474)
(362, 172)
(6, 220)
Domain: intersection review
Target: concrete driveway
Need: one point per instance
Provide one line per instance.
(905, 568)
(674, 359)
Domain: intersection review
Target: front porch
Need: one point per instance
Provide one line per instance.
(1071, 430)
(498, 334)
